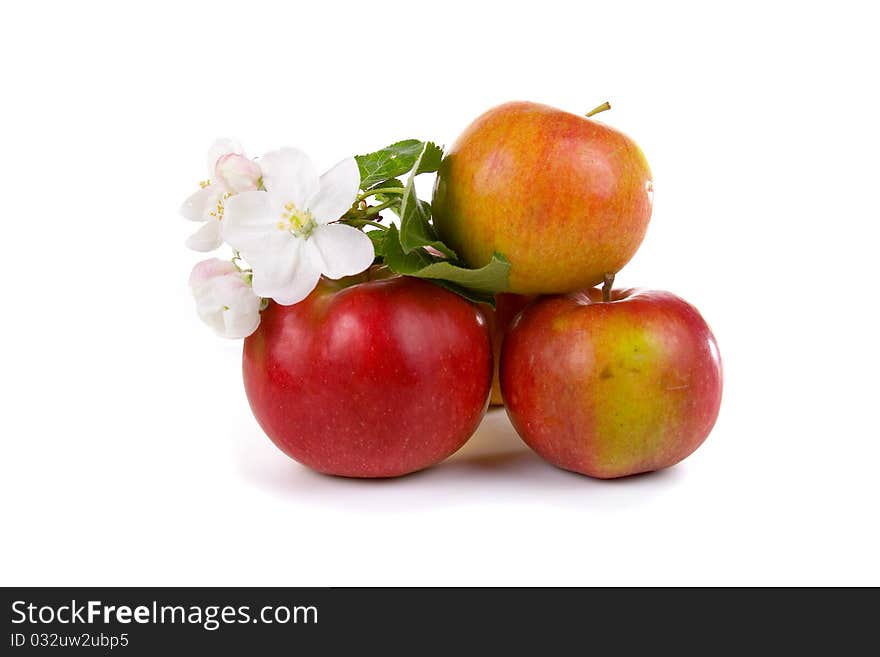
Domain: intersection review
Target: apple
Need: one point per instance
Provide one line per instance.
(370, 378)
(507, 306)
(564, 197)
(615, 387)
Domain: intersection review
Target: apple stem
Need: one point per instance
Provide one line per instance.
(606, 287)
(604, 106)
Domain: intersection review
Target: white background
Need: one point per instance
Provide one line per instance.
(129, 453)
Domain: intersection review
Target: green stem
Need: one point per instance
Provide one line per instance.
(604, 106)
(357, 223)
(376, 209)
(236, 256)
(380, 190)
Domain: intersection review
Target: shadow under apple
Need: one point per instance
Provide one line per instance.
(493, 465)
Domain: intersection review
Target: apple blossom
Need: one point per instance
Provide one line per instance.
(224, 300)
(230, 171)
(287, 234)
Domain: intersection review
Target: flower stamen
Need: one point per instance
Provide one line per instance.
(218, 211)
(299, 222)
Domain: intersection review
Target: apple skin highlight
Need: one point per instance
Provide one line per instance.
(565, 198)
(610, 389)
(376, 379)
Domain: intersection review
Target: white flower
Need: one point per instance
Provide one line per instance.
(229, 172)
(224, 300)
(286, 234)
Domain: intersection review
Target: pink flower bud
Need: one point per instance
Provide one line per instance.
(207, 270)
(236, 173)
(224, 299)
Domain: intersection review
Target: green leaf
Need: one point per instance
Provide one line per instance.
(470, 295)
(490, 278)
(377, 237)
(475, 284)
(429, 160)
(399, 260)
(383, 184)
(390, 162)
(416, 230)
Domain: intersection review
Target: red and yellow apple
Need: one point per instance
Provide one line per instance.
(370, 379)
(611, 388)
(565, 198)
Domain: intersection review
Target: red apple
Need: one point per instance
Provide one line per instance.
(506, 308)
(565, 198)
(371, 379)
(611, 388)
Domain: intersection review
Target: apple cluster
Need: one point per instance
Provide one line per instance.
(606, 383)
(487, 294)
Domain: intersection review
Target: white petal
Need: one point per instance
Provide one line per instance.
(339, 189)
(208, 302)
(241, 324)
(288, 276)
(225, 302)
(199, 205)
(290, 173)
(339, 250)
(300, 286)
(222, 146)
(251, 209)
(249, 221)
(206, 238)
(275, 267)
(241, 310)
